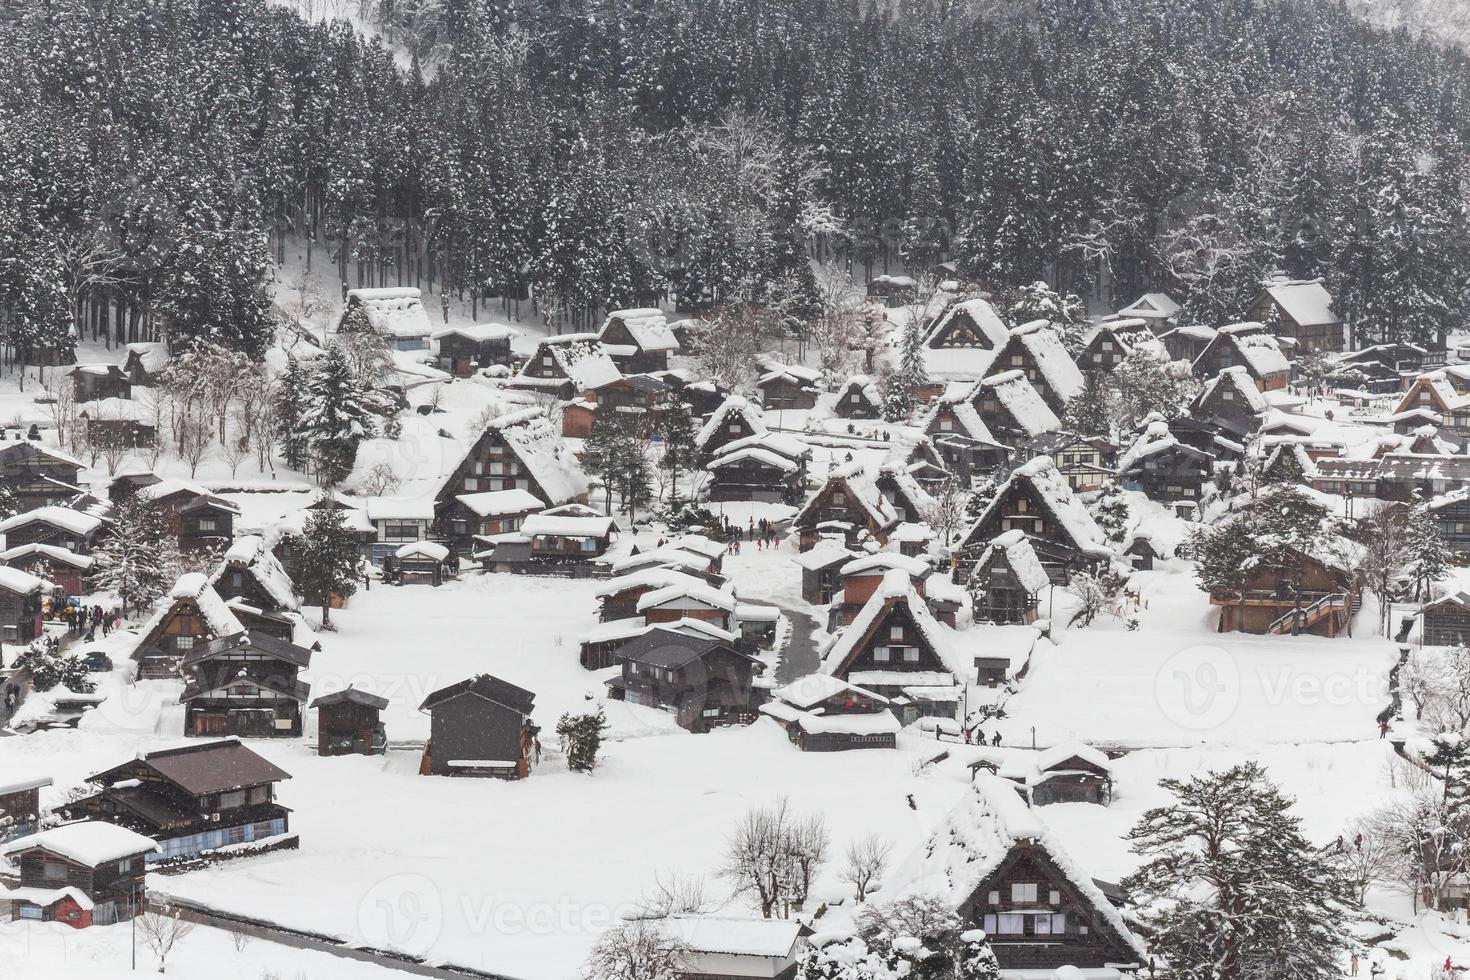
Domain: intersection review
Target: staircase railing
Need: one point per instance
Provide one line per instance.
(1308, 615)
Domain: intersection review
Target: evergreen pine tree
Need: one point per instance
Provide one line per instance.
(1088, 414)
(328, 561)
(1110, 511)
(335, 416)
(138, 559)
(680, 455)
(290, 404)
(581, 738)
(1430, 555)
(1231, 890)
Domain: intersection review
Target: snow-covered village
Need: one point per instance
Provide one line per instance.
(717, 490)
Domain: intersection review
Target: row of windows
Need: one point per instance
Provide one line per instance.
(194, 844)
(1014, 924)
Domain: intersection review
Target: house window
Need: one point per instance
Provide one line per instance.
(28, 911)
(232, 800)
(1050, 925)
(1023, 505)
(734, 428)
(259, 794)
(206, 523)
(54, 871)
(880, 654)
(895, 632)
(1010, 924)
(124, 866)
(1056, 897)
(711, 712)
(471, 484)
(911, 655)
(1023, 891)
(183, 643)
(995, 898)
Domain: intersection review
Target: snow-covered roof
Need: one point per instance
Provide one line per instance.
(1056, 366)
(494, 502)
(815, 688)
(1263, 353)
(250, 551)
(735, 404)
(478, 332)
(1238, 380)
(705, 594)
(773, 938)
(22, 582)
(567, 527)
(49, 552)
(395, 311)
(1153, 305)
(91, 843)
(399, 508)
(795, 373)
(194, 585)
(47, 897)
(896, 585)
(432, 550)
(1015, 392)
(581, 357)
(153, 355)
(74, 521)
(1022, 559)
(540, 448)
(1152, 441)
(976, 837)
(657, 577)
(1306, 301)
(862, 384)
(958, 403)
(827, 551)
(861, 488)
(759, 455)
(1057, 496)
(884, 561)
(649, 328)
(1057, 754)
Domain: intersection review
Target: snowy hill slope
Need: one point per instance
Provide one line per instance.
(1446, 20)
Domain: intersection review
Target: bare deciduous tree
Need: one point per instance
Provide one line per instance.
(196, 437)
(774, 856)
(674, 895)
(161, 931)
(637, 950)
(867, 859)
(947, 512)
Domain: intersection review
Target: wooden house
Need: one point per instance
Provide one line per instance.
(20, 804)
(90, 382)
(638, 399)
(1436, 392)
(963, 343)
(1067, 773)
(465, 349)
(480, 727)
(822, 713)
(566, 364)
(1308, 593)
(203, 796)
(129, 480)
(786, 387)
(39, 476)
(421, 563)
(396, 313)
(1005, 873)
(1157, 310)
(849, 503)
(895, 648)
(1301, 311)
(1012, 410)
(249, 571)
(1446, 621)
(566, 538)
(736, 420)
(737, 949)
(600, 645)
(202, 521)
(767, 467)
(143, 362)
(1141, 553)
(349, 722)
(863, 576)
(20, 604)
(682, 600)
(1087, 462)
(618, 596)
(245, 684)
(59, 527)
(80, 874)
(1247, 346)
(1008, 580)
(1164, 468)
(1187, 343)
(521, 450)
(1452, 512)
(638, 341)
(191, 615)
(1383, 368)
(821, 565)
(859, 398)
(1037, 500)
(891, 290)
(120, 422)
(1112, 340)
(396, 521)
(467, 516)
(1035, 350)
(1231, 398)
(702, 681)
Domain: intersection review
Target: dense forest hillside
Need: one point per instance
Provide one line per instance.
(598, 153)
(1447, 20)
